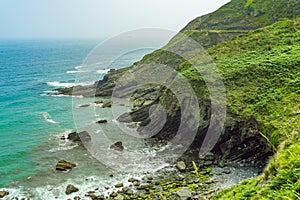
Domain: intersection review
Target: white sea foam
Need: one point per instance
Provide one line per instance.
(63, 84)
(103, 71)
(48, 119)
(59, 84)
(63, 148)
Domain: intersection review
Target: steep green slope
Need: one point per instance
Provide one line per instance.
(262, 75)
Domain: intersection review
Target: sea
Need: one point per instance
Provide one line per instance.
(33, 119)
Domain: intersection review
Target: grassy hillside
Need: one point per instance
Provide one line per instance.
(246, 15)
(261, 70)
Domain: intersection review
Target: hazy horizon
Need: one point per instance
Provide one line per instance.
(47, 19)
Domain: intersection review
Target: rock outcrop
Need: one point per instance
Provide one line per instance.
(63, 165)
(79, 137)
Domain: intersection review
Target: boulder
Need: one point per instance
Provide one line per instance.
(118, 146)
(98, 102)
(132, 180)
(71, 189)
(63, 165)
(3, 194)
(183, 194)
(106, 104)
(181, 166)
(79, 137)
(119, 185)
(103, 121)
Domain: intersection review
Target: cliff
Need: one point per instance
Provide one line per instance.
(257, 54)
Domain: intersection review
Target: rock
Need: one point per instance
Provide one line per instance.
(3, 194)
(183, 194)
(181, 166)
(71, 189)
(98, 102)
(199, 197)
(63, 165)
(79, 137)
(119, 197)
(209, 181)
(119, 185)
(77, 198)
(144, 187)
(106, 104)
(103, 121)
(227, 171)
(118, 146)
(84, 105)
(132, 180)
(180, 177)
(113, 194)
(221, 164)
(63, 137)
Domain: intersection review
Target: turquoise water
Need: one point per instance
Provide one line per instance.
(29, 69)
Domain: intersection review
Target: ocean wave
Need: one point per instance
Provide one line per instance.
(64, 84)
(59, 84)
(61, 95)
(62, 148)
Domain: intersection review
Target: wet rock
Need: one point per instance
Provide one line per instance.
(119, 185)
(98, 102)
(3, 194)
(63, 165)
(77, 198)
(132, 180)
(103, 121)
(183, 194)
(106, 104)
(118, 146)
(181, 166)
(113, 194)
(71, 189)
(79, 137)
(84, 105)
(63, 137)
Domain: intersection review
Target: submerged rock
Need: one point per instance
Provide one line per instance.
(118, 146)
(71, 189)
(79, 137)
(3, 194)
(181, 166)
(84, 105)
(63, 165)
(103, 121)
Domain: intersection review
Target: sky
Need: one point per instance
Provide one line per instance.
(96, 18)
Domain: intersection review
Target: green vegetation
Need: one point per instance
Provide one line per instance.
(246, 15)
(261, 71)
